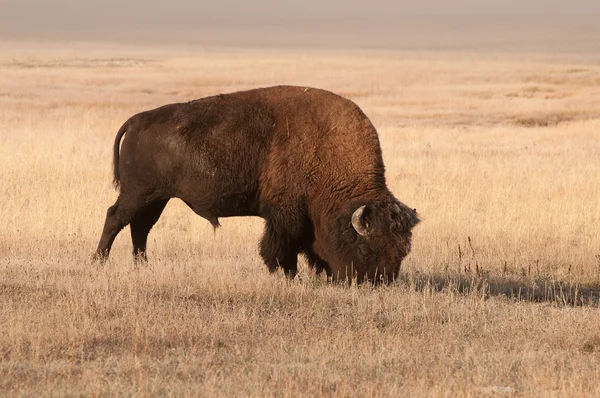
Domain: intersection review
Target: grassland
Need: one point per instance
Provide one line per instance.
(499, 153)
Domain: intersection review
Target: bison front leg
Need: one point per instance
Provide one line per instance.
(279, 248)
(314, 261)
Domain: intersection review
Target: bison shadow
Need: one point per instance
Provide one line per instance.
(522, 289)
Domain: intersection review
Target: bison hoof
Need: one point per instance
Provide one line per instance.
(99, 258)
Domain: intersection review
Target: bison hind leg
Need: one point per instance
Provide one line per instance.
(117, 217)
(137, 207)
(141, 226)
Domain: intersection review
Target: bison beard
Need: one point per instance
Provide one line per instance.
(306, 160)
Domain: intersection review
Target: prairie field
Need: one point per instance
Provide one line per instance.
(499, 153)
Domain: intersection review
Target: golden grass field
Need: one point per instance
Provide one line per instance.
(499, 153)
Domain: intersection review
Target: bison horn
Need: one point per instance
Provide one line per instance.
(359, 223)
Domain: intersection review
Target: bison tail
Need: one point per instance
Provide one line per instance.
(116, 176)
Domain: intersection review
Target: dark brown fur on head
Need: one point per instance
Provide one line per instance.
(373, 250)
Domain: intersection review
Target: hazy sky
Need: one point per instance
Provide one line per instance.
(374, 23)
(306, 8)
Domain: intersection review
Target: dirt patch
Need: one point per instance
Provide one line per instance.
(550, 120)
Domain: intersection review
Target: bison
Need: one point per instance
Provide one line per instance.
(306, 160)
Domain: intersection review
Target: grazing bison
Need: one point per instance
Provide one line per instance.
(306, 160)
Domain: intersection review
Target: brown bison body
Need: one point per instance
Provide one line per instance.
(306, 160)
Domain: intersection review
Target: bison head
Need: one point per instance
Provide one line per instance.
(372, 239)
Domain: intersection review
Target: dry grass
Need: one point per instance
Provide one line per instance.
(500, 155)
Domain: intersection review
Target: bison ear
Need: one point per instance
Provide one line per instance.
(360, 222)
(405, 217)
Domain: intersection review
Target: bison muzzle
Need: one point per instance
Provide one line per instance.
(305, 160)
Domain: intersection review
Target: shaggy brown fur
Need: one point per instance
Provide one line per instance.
(303, 159)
